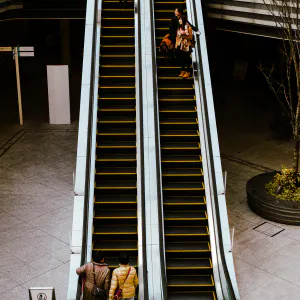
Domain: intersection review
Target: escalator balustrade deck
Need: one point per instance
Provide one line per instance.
(186, 233)
(115, 201)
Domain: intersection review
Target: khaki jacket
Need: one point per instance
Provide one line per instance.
(118, 278)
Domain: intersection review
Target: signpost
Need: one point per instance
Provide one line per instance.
(19, 52)
(41, 293)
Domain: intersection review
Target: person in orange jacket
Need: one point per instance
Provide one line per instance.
(124, 277)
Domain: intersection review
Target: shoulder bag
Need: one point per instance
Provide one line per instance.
(97, 290)
(118, 292)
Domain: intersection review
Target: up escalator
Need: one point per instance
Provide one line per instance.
(187, 239)
(115, 203)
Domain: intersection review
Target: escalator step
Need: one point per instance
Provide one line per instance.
(187, 146)
(188, 247)
(182, 172)
(111, 199)
(117, 144)
(115, 245)
(178, 121)
(115, 229)
(186, 215)
(115, 214)
(115, 185)
(189, 281)
(176, 133)
(187, 200)
(114, 157)
(186, 230)
(188, 295)
(117, 108)
(181, 158)
(115, 171)
(183, 186)
(189, 263)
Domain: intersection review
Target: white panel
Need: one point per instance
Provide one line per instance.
(26, 48)
(58, 94)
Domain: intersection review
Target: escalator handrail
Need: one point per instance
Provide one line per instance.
(142, 260)
(215, 187)
(158, 153)
(83, 200)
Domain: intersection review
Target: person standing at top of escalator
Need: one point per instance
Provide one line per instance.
(97, 274)
(178, 12)
(183, 46)
(121, 3)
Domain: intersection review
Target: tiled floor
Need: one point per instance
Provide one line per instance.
(36, 196)
(267, 268)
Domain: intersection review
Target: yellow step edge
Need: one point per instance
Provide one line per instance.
(113, 233)
(117, 36)
(117, 66)
(183, 189)
(114, 217)
(119, 98)
(103, 173)
(188, 251)
(116, 87)
(180, 161)
(185, 203)
(176, 88)
(118, 9)
(118, 27)
(116, 76)
(120, 159)
(182, 175)
(116, 134)
(185, 234)
(117, 18)
(179, 123)
(115, 249)
(117, 122)
(116, 187)
(117, 46)
(177, 111)
(185, 219)
(188, 285)
(187, 268)
(116, 109)
(180, 148)
(111, 147)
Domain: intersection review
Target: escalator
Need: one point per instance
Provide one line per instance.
(187, 239)
(115, 201)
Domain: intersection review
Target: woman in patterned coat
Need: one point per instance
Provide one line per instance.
(101, 275)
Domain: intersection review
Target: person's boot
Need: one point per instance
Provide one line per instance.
(181, 74)
(186, 74)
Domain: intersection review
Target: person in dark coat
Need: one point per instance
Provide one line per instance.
(96, 271)
(121, 3)
(174, 24)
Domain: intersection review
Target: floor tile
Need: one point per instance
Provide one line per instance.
(17, 293)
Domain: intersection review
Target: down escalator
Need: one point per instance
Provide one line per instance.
(187, 240)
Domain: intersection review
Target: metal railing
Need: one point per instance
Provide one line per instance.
(81, 238)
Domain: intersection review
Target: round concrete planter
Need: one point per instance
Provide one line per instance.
(267, 206)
